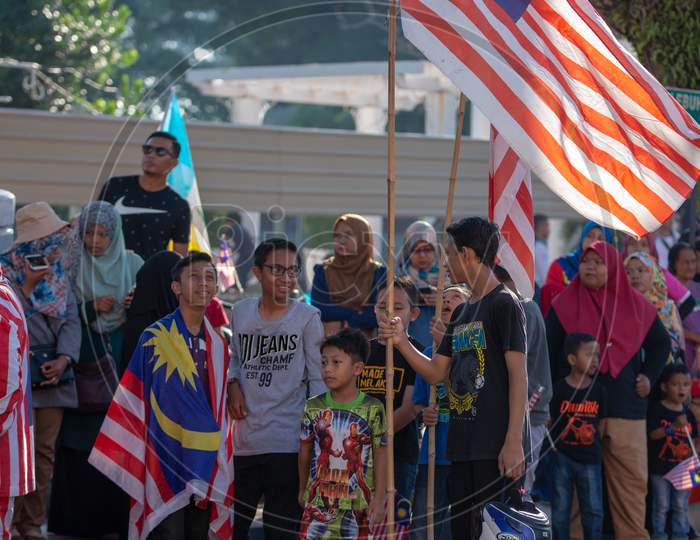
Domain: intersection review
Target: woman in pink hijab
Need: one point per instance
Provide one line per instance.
(634, 347)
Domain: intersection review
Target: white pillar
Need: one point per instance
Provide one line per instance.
(370, 119)
(248, 111)
(480, 126)
(440, 113)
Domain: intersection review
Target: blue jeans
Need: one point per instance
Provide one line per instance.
(441, 515)
(665, 498)
(588, 481)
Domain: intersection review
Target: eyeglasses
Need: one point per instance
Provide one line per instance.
(158, 150)
(278, 270)
(426, 250)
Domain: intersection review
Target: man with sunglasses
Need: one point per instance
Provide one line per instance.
(275, 365)
(152, 213)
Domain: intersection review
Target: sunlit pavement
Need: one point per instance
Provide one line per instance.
(256, 531)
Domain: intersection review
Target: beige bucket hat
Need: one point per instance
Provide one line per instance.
(36, 220)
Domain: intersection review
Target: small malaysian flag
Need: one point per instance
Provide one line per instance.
(225, 267)
(685, 475)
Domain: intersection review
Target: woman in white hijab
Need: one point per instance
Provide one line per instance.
(420, 259)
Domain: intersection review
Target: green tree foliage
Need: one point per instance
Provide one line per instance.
(174, 36)
(77, 44)
(664, 33)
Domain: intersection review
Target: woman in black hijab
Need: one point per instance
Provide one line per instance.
(153, 300)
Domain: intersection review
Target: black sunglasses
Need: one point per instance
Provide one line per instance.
(159, 151)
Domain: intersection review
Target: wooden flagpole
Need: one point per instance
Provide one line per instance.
(391, 217)
(430, 504)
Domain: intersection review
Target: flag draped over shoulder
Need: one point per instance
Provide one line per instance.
(510, 206)
(162, 442)
(590, 121)
(183, 178)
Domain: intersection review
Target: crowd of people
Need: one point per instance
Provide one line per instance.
(581, 397)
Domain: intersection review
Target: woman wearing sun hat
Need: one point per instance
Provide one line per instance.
(54, 341)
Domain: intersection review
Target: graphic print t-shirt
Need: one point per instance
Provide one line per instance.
(372, 382)
(278, 365)
(150, 219)
(576, 414)
(477, 339)
(670, 450)
(344, 436)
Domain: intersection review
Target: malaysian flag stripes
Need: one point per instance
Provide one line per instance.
(403, 522)
(16, 433)
(682, 475)
(585, 115)
(510, 206)
(161, 441)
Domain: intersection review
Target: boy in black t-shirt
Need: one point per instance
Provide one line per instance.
(482, 358)
(577, 410)
(372, 382)
(669, 424)
(152, 213)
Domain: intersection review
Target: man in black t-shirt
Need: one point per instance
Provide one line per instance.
(482, 358)
(152, 213)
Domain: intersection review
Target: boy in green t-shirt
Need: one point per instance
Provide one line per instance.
(342, 459)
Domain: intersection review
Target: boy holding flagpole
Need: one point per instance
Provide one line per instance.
(482, 356)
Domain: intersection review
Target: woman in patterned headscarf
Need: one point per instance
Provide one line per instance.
(646, 277)
(54, 341)
(104, 274)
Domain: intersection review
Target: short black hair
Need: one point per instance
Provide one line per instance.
(170, 137)
(351, 341)
(478, 234)
(272, 244)
(672, 369)
(539, 218)
(674, 253)
(405, 284)
(573, 342)
(188, 260)
(501, 274)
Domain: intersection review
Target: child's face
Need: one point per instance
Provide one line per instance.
(586, 360)
(197, 285)
(451, 298)
(402, 306)
(639, 275)
(337, 368)
(278, 275)
(96, 240)
(677, 388)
